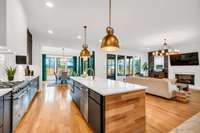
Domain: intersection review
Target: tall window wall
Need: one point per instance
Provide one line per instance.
(59, 64)
(121, 65)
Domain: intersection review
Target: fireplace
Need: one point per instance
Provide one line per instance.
(185, 78)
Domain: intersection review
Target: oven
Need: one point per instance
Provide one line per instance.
(20, 104)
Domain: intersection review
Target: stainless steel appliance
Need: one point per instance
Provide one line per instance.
(20, 102)
(19, 99)
(84, 102)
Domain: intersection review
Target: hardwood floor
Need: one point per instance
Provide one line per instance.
(53, 111)
(163, 115)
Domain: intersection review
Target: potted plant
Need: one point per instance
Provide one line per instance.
(145, 68)
(10, 73)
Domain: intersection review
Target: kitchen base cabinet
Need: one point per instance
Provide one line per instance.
(1, 114)
(111, 110)
(7, 122)
(95, 112)
(5, 113)
(22, 98)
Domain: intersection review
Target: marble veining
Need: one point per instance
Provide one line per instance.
(192, 125)
(107, 87)
(5, 91)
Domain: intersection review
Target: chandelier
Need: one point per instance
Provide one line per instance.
(166, 50)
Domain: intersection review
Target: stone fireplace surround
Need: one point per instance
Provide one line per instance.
(191, 70)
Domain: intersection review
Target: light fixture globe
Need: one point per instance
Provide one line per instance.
(110, 42)
(84, 53)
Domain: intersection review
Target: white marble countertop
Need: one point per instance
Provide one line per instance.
(5, 91)
(25, 78)
(108, 87)
(21, 78)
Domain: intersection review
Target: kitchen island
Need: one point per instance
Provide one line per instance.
(110, 106)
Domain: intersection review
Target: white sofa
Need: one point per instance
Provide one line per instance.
(161, 87)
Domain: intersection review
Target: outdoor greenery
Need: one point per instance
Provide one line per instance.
(145, 67)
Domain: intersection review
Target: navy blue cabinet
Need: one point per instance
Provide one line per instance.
(7, 122)
(75, 93)
(5, 113)
(94, 108)
(1, 114)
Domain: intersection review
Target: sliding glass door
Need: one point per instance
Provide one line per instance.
(56, 64)
(129, 65)
(50, 65)
(120, 65)
(137, 65)
(111, 66)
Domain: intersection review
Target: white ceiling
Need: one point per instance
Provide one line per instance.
(139, 24)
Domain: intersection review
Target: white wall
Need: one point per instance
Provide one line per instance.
(187, 69)
(15, 35)
(2, 22)
(16, 27)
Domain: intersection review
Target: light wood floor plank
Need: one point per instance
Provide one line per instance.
(53, 111)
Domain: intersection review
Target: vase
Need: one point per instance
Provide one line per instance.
(10, 78)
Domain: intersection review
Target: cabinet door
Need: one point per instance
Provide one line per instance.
(94, 115)
(77, 96)
(1, 114)
(7, 128)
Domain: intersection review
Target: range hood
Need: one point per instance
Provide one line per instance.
(5, 50)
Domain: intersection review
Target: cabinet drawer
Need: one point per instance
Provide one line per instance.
(78, 85)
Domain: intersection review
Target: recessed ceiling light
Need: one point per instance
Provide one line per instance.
(49, 4)
(79, 37)
(50, 31)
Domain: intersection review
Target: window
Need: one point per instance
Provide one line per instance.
(158, 63)
(50, 65)
(70, 66)
(120, 65)
(137, 65)
(59, 64)
(111, 66)
(129, 65)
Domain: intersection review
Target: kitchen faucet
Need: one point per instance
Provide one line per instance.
(92, 70)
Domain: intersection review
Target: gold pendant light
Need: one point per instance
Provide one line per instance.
(110, 41)
(85, 53)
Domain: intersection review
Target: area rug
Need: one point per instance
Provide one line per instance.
(192, 125)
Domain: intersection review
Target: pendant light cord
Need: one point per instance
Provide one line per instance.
(110, 13)
(63, 54)
(85, 36)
